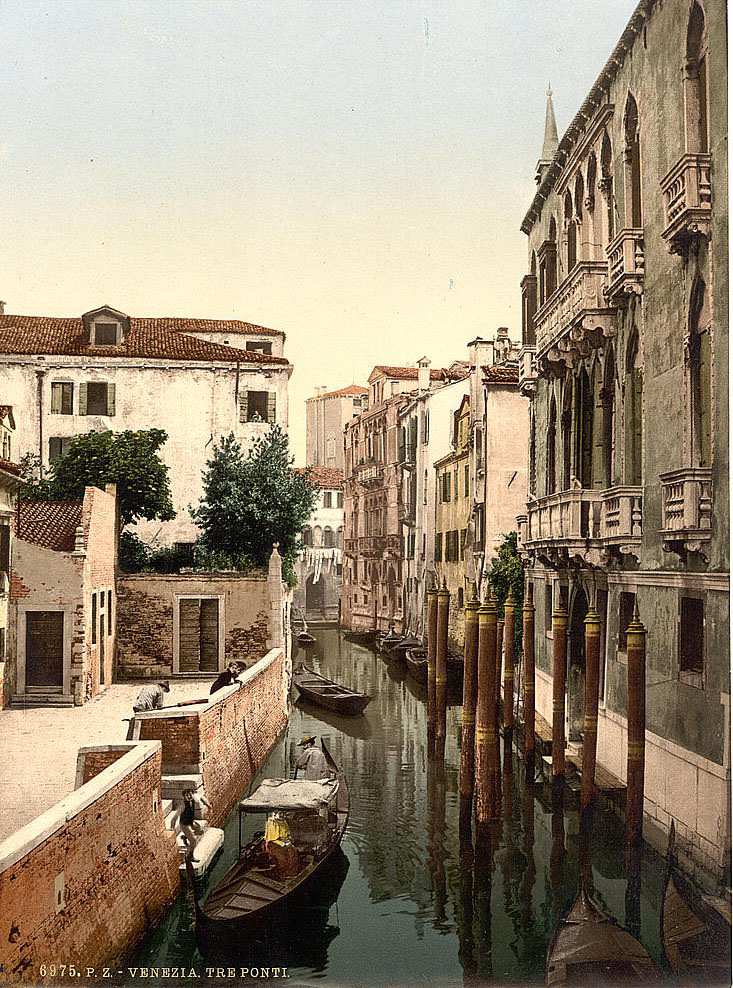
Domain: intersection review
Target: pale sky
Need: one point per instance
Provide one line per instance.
(353, 173)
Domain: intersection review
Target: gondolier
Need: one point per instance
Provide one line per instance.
(312, 760)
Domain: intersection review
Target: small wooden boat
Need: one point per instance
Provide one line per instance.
(316, 688)
(696, 937)
(417, 666)
(388, 641)
(589, 948)
(273, 877)
(400, 647)
(360, 637)
(305, 638)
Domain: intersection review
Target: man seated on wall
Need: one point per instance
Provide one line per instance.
(226, 678)
(151, 697)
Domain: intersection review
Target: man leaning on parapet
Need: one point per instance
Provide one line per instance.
(149, 698)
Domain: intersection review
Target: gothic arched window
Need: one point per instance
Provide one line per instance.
(633, 393)
(632, 159)
(700, 364)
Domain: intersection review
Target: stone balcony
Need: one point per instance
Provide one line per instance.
(371, 474)
(686, 510)
(562, 522)
(687, 194)
(621, 518)
(527, 371)
(625, 264)
(575, 318)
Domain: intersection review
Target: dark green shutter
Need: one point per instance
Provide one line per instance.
(83, 398)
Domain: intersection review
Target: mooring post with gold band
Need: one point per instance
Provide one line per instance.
(590, 722)
(509, 665)
(470, 682)
(636, 714)
(486, 738)
(559, 676)
(441, 665)
(432, 637)
(529, 674)
(499, 650)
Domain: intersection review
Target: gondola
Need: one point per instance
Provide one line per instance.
(417, 666)
(275, 876)
(399, 649)
(696, 937)
(360, 637)
(589, 948)
(387, 641)
(326, 693)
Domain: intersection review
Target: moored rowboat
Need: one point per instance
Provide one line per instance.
(316, 688)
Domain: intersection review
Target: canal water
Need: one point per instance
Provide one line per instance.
(407, 904)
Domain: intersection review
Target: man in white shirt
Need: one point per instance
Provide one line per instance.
(312, 760)
(151, 697)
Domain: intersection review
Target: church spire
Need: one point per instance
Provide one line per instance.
(550, 142)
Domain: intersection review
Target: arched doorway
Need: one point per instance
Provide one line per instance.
(315, 594)
(576, 664)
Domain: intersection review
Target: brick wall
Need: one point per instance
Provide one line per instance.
(92, 761)
(229, 738)
(83, 882)
(99, 521)
(146, 606)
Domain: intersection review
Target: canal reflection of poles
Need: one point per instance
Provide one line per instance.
(483, 870)
(468, 717)
(559, 675)
(636, 712)
(528, 876)
(432, 636)
(466, 943)
(529, 677)
(487, 742)
(436, 836)
(441, 677)
(557, 853)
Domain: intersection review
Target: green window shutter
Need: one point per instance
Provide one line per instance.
(271, 399)
(56, 392)
(83, 398)
(67, 399)
(111, 388)
(243, 406)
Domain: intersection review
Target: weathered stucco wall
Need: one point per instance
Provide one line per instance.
(85, 881)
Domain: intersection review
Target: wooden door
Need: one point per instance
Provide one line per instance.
(188, 635)
(209, 623)
(44, 648)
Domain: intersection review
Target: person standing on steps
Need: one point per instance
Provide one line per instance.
(191, 828)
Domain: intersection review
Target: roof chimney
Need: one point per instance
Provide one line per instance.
(2, 308)
(423, 374)
(550, 141)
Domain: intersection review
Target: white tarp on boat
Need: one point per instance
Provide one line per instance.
(290, 794)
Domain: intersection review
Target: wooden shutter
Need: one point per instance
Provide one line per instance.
(111, 388)
(54, 448)
(83, 398)
(4, 548)
(271, 406)
(243, 406)
(209, 625)
(189, 635)
(426, 436)
(56, 392)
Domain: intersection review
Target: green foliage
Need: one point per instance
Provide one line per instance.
(128, 459)
(36, 480)
(506, 573)
(134, 554)
(250, 502)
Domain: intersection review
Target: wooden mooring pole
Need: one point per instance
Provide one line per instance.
(529, 675)
(499, 651)
(487, 741)
(559, 676)
(508, 668)
(441, 664)
(470, 682)
(636, 714)
(590, 721)
(432, 637)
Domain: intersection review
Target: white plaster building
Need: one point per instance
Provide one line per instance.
(319, 564)
(9, 484)
(197, 379)
(326, 415)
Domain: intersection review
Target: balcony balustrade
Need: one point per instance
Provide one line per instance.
(626, 264)
(371, 474)
(687, 194)
(686, 509)
(621, 518)
(576, 317)
(565, 518)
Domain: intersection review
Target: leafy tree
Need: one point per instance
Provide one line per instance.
(249, 502)
(128, 459)
(506, 573)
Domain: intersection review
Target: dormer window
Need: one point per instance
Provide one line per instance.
(105, 333)
(106, 326)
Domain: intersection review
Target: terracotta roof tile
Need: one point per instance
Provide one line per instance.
(153, 338)
(410, 373)
(50, 524)
(9, 466)
(324, 476)
(501, 374)
(352, 389)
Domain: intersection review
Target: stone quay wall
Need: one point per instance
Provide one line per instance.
(83, 882)
(224, 739)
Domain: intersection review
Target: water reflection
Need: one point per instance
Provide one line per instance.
(425, 902)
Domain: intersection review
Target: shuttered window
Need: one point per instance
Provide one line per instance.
(626, 604)
(94, 619)
(259, 346)
(198, 634)
(58, 446)
(62, 398)
(97, 398)
(438, 547)
(257, 406)
(4, 548)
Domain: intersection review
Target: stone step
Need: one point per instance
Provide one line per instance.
(206, 850)
(173, 786)
(179, 835)
(28, 700)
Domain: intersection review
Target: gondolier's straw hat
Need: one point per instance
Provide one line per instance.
(307, 739)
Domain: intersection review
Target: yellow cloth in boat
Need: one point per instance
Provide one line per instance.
(276, 828)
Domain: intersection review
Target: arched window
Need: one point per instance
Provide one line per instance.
(579, 215)
(608, 399)
(532, 454)
(329, 539)
(570, 230)
(633, 412)
(606, 184)
(331, 448)
(590, 182)
(632, 159)
(552, 269)
(566, 424)
(340, 537)
(551, 433)
(584, 430)
(696, 82)
(700, 363)
(308, 536)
